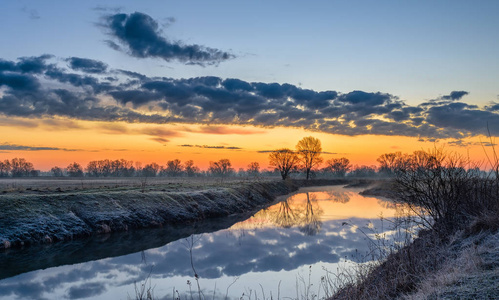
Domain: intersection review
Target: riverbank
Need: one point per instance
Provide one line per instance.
(37, 214)
(462, 264)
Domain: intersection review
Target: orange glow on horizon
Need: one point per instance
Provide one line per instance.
(84, 141)
(336, 204)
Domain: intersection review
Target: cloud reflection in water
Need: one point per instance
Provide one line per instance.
(306, 229)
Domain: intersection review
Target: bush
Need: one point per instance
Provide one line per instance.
(446, 191)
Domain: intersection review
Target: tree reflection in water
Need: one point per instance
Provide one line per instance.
(285, 216)
(306, 217)
(337, 196)
(310, 222)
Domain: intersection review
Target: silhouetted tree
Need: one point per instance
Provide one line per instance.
(190, 168)
(20, 167)
(338, 166)
(5, 168)
(241, 172)
(253, 169)
(150, 170)
(106, 167)
(309, 151)
(173, 168)
(74, 170)
(221, 168)
(284, 160)
(390, 163)
(122, 168)
(93, 169)
(56, 172)
(363, 171)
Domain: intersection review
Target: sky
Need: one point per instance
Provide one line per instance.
(152, 81)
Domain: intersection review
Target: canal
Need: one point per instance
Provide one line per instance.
(295, 249)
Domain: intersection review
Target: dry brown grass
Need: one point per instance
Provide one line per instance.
(473, 274)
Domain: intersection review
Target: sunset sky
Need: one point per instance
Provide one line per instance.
(152, 81)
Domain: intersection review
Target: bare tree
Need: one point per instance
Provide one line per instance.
(221, 168)
(56, 172)
(5, 168)
(190, 168)
(309, 150)
(20, 167)
(284, 160)
(173, 167)
(390, 163)
(150, 170)
(75, 170)
(253, 169)
(338, 166)
(363, 171)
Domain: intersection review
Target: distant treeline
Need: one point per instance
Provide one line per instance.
(336, 167)
(305, 161)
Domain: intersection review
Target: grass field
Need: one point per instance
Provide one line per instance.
(45, 185)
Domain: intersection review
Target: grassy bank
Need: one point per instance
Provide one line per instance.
(455, 255)
(37, 215)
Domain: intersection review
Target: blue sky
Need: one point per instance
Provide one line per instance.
(416, 50)
(186, 75)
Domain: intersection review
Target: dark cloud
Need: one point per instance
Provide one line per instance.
(19, 82)
(39, 87)
(363, 98)
(33, 64)
(140, 35)
(87, 65)
(463, 119)
(455, 95)
(14, 147)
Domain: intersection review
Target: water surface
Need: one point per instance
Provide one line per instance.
(283, 251)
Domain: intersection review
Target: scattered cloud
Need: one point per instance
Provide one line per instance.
(158, 134)
(104, 8)
(160, 140)
(113, 128)
(139, 35)
(222, 130)
(211, 147)
(15, 122)
(61, 124)
(270, 151)
(461, 143)
(32, 13)
(14, 147)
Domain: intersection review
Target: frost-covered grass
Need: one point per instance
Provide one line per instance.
(37, 217)
(46, 185)
(41, 213)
